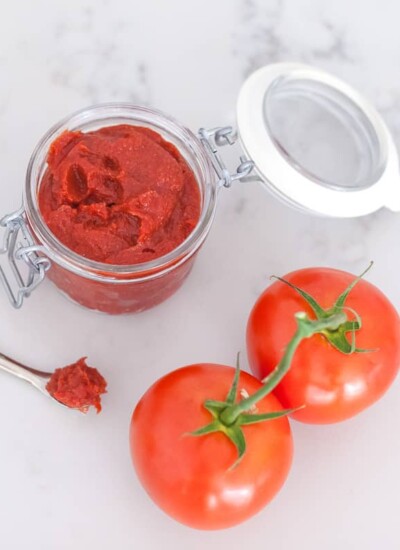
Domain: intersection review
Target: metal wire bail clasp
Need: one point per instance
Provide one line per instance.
(21, 249)
(218, 137)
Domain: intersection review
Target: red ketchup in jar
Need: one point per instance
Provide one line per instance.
(120, 195)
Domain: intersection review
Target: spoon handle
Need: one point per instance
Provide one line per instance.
(36, 378)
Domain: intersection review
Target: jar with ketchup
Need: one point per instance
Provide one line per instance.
(119, 198)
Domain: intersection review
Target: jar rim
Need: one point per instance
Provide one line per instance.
(67, 258)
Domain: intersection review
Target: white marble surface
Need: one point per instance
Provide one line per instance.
(66, 481)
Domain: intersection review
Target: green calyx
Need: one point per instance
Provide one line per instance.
(337, 337)
(230, 416)
(228, 419)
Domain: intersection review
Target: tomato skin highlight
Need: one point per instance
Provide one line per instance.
(191, 478)
(331, 385)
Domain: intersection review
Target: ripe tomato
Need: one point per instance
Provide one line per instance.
(192, 478)
(332, 386)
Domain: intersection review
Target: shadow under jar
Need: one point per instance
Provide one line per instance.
(113, 288)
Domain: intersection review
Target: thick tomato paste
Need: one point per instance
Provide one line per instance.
(119, 195)
(78, 386)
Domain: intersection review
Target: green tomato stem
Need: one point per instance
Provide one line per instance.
(305, 329)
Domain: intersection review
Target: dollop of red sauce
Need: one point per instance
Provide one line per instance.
(119, 195)
(77, 386)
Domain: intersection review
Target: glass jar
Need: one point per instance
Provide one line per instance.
(298, 127)
(119, 288)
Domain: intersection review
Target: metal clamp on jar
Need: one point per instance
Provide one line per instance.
(309, 138)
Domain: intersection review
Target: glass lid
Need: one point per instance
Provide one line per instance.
(317, 143)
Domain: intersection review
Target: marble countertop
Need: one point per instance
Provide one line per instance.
(66, 481)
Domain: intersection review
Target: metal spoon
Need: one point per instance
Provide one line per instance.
(37, 378)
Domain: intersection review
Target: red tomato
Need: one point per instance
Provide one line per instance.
(191, 478)
(332, 386)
